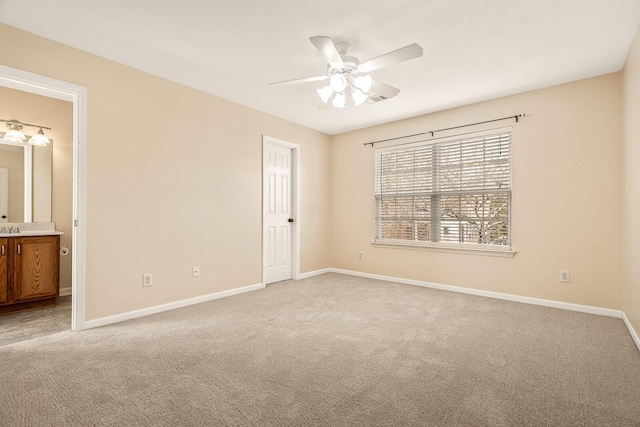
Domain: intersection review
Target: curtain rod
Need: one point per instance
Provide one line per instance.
(516, 117)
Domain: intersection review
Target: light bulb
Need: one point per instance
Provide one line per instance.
(338, 82)
(358, 96)
(363, 83)
(325, 93)
(340, 101)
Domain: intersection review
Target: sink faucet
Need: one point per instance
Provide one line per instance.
(3, 230)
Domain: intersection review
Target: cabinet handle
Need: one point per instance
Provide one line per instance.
(2, 250)
(18, 249)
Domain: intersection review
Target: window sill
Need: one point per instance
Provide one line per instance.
(504, 253)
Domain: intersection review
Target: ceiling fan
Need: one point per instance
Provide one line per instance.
(347, 76)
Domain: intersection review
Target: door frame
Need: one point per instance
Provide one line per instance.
(295, 208)
(77, 95)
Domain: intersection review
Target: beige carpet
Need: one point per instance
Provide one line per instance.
(331, 350)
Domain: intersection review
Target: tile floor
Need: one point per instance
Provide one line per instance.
(30, 324)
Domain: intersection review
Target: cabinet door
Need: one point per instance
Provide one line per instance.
(4, 256)
(35, 267)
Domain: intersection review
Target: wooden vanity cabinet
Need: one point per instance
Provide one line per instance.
(30, 269)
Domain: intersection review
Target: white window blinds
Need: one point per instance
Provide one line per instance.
(456, 192)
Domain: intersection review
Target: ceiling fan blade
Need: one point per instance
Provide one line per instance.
(328, 50)
(403, 54)
(296, 81)
(380, 91)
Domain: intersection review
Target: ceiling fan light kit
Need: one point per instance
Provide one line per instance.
(346, 74)
(339, 100)
(363, 83)
(338, 82)
(358, 96)
(325, 93)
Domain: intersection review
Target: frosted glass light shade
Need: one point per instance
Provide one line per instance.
(325, 93)
(39, 139)
(363, 83)
(358, 96)
(14, 136)
(340, 101)
(338, 82)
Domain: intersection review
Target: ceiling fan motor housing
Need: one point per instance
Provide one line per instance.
(342, 48)
(349, 69)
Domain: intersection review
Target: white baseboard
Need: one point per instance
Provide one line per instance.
(632, 331)
(65, 291)
(497, 295)
(169, 306)
(314, 273)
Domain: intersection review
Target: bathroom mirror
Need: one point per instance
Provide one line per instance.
(25, 183)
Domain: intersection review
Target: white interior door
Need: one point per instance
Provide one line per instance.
(278, 221)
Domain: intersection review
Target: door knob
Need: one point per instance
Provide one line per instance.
(290, 219)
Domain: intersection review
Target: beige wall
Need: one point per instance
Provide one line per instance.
(173, 181)
(58, 115)
(631, 185)
(566, 198)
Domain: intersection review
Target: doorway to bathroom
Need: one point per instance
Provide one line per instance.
(73, 160)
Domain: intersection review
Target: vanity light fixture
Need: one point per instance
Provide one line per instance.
(15, 135)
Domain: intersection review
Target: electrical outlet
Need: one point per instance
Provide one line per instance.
(146, 280)
(196, 271)
(360, 255)
(565, 276)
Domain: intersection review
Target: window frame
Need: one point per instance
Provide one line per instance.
(452, 247)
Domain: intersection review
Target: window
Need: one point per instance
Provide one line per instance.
(455, 192)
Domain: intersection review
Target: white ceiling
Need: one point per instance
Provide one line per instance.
(473, 50)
